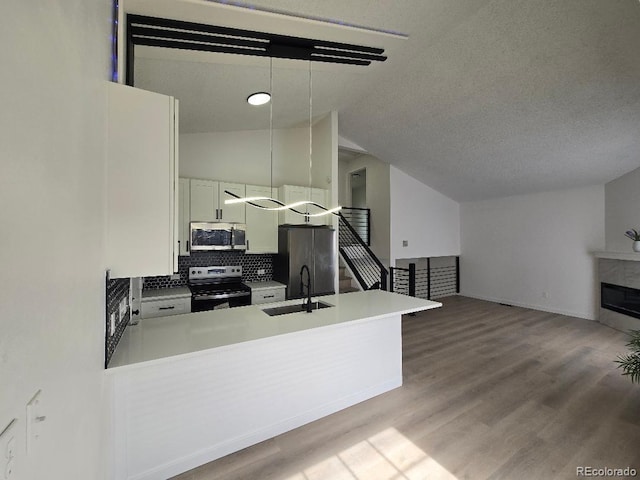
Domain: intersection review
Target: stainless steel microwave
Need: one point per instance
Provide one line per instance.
(217, 236)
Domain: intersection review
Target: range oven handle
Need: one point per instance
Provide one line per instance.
(221, 296)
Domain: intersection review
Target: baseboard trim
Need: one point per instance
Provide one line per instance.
(541, 308)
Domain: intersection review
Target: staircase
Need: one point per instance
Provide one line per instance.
(362, 262)
(346, 281)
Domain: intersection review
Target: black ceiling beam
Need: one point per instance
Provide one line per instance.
(208, 47)
(162, 32)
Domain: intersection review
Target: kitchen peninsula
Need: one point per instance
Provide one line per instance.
(191, 388)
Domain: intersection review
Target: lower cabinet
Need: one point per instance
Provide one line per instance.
(267, 292)
(165, 302)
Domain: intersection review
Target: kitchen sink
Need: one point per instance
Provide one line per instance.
(297, 308)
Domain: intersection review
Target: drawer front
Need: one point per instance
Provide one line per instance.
(163, 308)
(267, 296)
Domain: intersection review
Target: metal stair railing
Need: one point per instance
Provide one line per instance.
(360, 220)
(366, 267)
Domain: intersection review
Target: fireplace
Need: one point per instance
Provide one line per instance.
(620, 299)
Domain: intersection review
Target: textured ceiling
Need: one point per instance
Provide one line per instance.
(487, 98)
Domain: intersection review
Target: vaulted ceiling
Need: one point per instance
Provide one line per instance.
(490, 98)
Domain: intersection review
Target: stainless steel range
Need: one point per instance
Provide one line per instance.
(217, 287)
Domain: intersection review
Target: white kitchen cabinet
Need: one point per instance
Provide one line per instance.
(203, 200)
(262, 225)
(319, 195)
(267, 292)
(184, 215)
(141, 183)
(289, 194)
(207, 202)
(165, 302)
(294, 193)
(234, 213)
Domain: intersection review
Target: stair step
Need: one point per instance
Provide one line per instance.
(345, 283)
(348, 289)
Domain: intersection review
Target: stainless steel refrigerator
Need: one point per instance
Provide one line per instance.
(311, 246)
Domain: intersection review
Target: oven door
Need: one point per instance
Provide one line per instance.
(202, 303)
(211, 236)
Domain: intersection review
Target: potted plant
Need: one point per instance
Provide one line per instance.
(630, 363)
(634, 235)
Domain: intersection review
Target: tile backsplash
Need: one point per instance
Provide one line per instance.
(117, 289)
(250, 265)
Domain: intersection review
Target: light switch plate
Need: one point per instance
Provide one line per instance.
(35, 420)
(112, 324)
(405, 243)
(261, 271)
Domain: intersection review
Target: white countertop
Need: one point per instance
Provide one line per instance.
(165, 293)
(265, 285)
(157, 339)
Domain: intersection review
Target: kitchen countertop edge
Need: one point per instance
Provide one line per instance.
(125, 342)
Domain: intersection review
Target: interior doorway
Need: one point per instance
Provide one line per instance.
(358, 183)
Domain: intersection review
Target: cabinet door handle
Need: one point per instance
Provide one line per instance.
(167, 308)
(247, 244)
(268, 296)
(217, 214)
(178, 246)
(220, 214)
(187, 245)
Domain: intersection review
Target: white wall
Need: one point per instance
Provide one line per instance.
(426, 218)
(622, 210)
(517, 248)
(55, 59)
(244, 157)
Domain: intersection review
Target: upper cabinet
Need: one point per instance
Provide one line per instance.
(142, 176)
(293, 193)
(207, 202)
(184, 215)
(262, 225)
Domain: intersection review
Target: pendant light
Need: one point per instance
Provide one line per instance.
(277, 205)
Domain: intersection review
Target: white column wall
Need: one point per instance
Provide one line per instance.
(55, 59)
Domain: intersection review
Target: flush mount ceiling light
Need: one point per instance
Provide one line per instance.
(258, 98)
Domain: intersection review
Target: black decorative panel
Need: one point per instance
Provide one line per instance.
(117, 289)
(250, 265)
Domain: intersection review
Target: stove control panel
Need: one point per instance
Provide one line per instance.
(215, 272)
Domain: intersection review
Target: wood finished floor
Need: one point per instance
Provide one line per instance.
(490, 392)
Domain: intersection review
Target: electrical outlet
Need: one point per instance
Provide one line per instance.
(123, 308)
(261, 271)
(405, 243)
(175, 276)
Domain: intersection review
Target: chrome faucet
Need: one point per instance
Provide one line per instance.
(306, 307)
